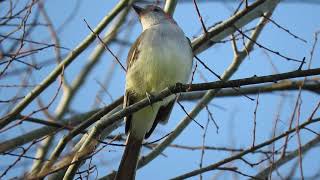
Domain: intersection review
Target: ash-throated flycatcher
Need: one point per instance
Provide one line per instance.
(160, 57)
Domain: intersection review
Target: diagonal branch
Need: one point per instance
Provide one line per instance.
(239, 155)
(225, 29)
(64, 64)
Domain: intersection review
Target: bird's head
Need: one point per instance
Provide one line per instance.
(152, 15)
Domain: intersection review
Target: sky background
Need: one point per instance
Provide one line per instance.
(234, 115)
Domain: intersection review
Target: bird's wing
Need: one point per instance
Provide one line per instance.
(162, 116)
(129, 97)
(190, 44)
(127, 102)
(134, 51)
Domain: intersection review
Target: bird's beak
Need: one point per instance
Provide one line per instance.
(137, 9)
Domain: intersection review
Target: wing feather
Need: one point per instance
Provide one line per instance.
(129, 98)
(162, 116)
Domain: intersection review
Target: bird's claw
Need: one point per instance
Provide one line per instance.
(150, 98)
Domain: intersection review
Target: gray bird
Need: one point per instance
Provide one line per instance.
(160, 57)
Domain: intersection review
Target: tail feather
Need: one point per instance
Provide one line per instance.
(129, 161)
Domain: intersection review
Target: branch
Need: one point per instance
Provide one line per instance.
(305, 148)
(310, 85)
(225, 29)
(41, 132)
(236, 1)
(170, 6)
(71, 91)
(242, 82)
(197, 87)
(64, 64)
(239, 155)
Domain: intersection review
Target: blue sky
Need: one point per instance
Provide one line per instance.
(233, 115)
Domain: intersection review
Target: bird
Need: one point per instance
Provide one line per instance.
(160, 57)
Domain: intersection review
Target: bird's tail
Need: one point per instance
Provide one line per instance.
(128, 164)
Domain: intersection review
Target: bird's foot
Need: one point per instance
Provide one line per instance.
(150, 98)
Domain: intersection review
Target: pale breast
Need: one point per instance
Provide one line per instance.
(165, 58)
